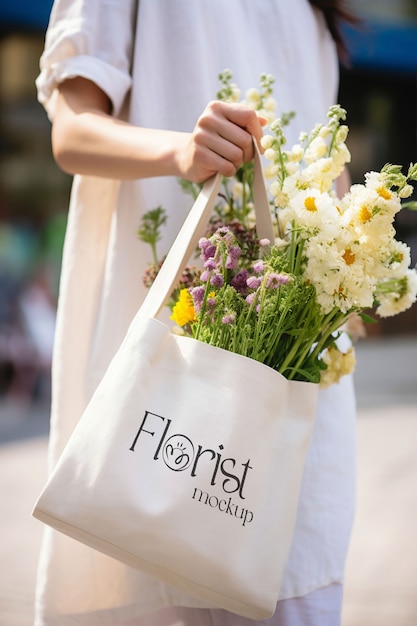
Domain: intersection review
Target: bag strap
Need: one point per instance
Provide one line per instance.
(194, 227)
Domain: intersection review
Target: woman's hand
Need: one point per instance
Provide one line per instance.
(221, 141)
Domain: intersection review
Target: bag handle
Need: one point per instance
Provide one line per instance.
(194, 228)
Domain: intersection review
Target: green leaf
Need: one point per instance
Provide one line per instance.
(412, 205)
(367, 319)
(150, 228)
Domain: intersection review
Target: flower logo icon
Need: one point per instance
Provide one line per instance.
(178, 452)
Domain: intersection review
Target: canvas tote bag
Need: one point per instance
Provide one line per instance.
(187, 462)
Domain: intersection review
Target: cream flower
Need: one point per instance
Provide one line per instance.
(406, 191)
(238, 189)
(313, 209)
(253, 97)
(295, 154)
(267, 141)
(338, 365)
(270, 154)
(270, 105)
(402, 296)
(316, 150)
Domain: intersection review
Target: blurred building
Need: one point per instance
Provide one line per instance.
(33, 206)
(33, 191)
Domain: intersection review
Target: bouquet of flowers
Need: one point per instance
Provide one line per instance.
(285, 302)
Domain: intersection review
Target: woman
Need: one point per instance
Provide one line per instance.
(126, 85)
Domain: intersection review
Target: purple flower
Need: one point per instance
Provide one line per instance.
(205, 276)
(232, 257)
(224, 233)
(210, 264)
(239, 281)
(264, 243)
(211, 303)
(253, 282)
(229, 318)
(197, 294)
(208, 250)
(276, 280)
(259, 267)
(250, 300)
(217, 280)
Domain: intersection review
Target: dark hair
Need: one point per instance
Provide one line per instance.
(335, 13)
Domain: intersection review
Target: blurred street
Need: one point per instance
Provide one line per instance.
(381, 581)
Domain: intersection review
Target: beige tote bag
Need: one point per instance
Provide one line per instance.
(188, 460)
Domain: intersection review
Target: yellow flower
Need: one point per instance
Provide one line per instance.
(183, 312)
(384, 193)
(310, 204)
(348, 256)
(364, 214)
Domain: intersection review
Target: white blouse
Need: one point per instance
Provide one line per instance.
(160, 69)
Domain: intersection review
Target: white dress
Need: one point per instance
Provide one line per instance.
(164, 80)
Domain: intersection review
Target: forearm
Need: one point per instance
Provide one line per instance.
(86, 139)
(92, 143)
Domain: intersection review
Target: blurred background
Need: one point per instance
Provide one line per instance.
(379, 91)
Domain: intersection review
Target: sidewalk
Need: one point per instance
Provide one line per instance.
(381, 575)
(381, 584)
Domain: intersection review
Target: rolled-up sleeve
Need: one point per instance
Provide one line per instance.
(92, 39)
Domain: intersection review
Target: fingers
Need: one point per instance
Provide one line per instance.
(228, 130)
(222, 141)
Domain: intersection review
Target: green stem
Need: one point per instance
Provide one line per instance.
(296, 249)
(333, 321)
(154, 252)
(299, 255)
(301, 346)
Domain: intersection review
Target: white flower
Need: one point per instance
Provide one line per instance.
(406, 191)
(267, 141)
(238, 189)
(320, 174)
(280, 198)
(401, 298)
(291, 185)
(342, 134)
(315, 209)
(280, 243)
(270, 154)
(369, 209)
(338, 269)
(291, 167)
(316, 150)
(396, 257)
(324, 132)
(270, 105)
(295, 154)
(271, 170)
(236, 93)
(341, 154)
(253, 96)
